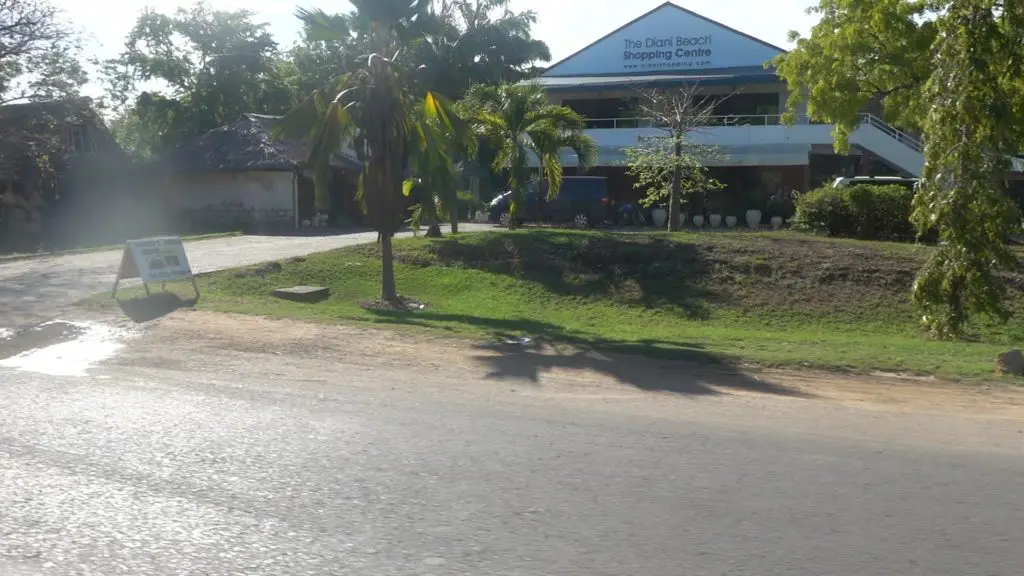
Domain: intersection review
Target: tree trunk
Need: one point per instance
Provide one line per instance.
(674, 204)
(387, 270)
(455, 220)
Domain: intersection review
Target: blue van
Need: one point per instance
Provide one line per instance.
(582, 201)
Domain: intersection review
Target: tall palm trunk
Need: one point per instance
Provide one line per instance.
(385, 168)
(388, 292)
(387, 225)
(455, 219)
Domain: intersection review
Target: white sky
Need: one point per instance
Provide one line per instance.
(566, 25)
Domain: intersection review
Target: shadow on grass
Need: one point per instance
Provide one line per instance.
(158, 305)
(628, 268)
(655, 365)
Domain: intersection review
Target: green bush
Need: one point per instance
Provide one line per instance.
(866, 211)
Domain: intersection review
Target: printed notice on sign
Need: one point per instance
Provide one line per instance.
(159, 259)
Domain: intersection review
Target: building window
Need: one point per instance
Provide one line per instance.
(74, 140)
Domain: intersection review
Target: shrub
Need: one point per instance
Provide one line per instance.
(868, 212)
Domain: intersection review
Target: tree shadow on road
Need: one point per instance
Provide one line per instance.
(684, 368)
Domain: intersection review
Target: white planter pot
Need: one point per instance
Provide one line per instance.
(754, 218)
(698, 220)
(660, 217)
(730, 221)
(776, 222)
(715, 220)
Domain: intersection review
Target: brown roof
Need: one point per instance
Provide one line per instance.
(246, 144)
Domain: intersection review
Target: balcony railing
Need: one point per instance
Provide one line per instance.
(726, 120)
(752, 120)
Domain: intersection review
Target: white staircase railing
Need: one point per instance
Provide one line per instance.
(895, 133)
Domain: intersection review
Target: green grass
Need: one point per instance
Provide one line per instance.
(105, 247)
(775, 299)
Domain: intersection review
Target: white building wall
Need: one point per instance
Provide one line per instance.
(220, 200)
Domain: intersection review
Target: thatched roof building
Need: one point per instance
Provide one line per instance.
(55, 128)
(244, 145)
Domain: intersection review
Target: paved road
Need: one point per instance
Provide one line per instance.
(35, 290)
(245, 470)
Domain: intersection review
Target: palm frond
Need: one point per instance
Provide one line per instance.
(334, 129)
(302, 120)
(321, 26)
(407, 186)
(586, 149)
(552, 166)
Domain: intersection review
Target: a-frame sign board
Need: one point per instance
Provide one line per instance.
(155, 260)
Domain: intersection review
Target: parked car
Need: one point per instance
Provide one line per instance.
(842, 182)
(582, 201)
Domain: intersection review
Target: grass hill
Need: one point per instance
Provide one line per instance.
(764, 298)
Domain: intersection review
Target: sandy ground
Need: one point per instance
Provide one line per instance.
(192, 339)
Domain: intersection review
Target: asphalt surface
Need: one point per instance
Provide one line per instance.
(38, 289)
(238, 471)
(218, 463)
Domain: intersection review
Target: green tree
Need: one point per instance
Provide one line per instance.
(672, 166)
(374, 108)
(951, 69)
(39, 53)
(138, 139)
(317, 59)
(211, 66)
(476, 42)
(518, 121)
(469, 42)
(439, 185)
(452, 45)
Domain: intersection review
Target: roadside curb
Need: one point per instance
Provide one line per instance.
(98, 249)
(41, 255)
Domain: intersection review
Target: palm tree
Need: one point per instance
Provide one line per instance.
(465, 42)
(374, 109)
(520, 123)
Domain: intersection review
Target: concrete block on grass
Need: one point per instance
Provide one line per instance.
(307, 294)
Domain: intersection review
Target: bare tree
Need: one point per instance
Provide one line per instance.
(674, 161)
(38, 53)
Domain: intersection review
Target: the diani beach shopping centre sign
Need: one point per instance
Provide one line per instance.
(666, 39)
(668, 52)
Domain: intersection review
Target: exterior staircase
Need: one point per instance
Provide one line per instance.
(894, 146)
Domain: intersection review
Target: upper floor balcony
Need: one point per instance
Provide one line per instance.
(763, 139)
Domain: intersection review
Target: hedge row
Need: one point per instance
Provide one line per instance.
(866, 211)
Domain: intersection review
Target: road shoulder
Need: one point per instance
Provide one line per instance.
(545, 369)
